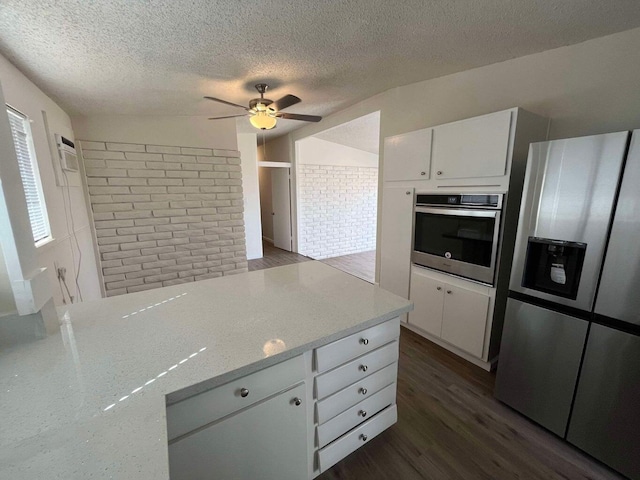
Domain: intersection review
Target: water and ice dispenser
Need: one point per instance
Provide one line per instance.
(554, 266)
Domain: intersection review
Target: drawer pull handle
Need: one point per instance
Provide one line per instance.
(439, 172)
(363, 437)
(449, 292)
(364, 341)
(362, 413)
(363, 391)
(244, 392)
(423, 173)
(297, 401)
(364, 368)
(438, 288)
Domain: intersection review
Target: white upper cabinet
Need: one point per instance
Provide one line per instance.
(473, 148)
(408, 156)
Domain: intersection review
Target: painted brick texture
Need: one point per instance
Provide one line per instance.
(164, 215)
(336, 210)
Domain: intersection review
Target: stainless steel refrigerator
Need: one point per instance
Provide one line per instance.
(570, 352)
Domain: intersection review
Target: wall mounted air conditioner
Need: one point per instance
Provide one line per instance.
(68, 155)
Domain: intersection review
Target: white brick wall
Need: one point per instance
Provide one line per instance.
(163, 214)
(336, 210)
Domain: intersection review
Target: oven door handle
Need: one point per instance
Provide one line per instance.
(458, 212)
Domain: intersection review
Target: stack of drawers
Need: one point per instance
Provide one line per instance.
(355, 390)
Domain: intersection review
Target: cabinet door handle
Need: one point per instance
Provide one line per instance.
(364, 341)
(364, 368)
(449, 292)
(423, 173)
(439, 172)
(297, 401)
(362, 413)
(244, 392)
(363, 391)
(408, 192)
(438, 288)
(363, 437)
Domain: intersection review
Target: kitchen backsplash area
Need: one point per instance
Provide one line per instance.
(164, 215)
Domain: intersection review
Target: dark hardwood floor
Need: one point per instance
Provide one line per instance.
(451, 427)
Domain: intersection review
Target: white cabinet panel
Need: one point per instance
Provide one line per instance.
(357, 369)
(473, 148)
(209, 406)
(465, 319)
(427, 296)
(340, 401)
(268, 440)
(396, 239)
(343, 350)
(355, 415)
(336, 451)
(407, 156)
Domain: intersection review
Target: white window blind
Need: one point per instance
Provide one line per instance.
(23, 143)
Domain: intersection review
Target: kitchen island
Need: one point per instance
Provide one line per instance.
(91, 401)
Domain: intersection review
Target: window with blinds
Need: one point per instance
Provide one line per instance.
(23, 143)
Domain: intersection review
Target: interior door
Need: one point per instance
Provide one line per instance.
(281, 208)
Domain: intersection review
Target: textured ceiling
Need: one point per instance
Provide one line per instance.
(161, 57)
(362, 133)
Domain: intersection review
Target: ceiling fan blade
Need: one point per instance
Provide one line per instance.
(285, 102)
(225, 102)
(229, 116)
(296, 116)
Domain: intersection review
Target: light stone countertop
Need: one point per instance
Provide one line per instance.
(90, 401)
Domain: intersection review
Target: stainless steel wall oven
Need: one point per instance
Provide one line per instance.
(458, 234)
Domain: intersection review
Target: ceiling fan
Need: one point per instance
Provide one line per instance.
(264, 113)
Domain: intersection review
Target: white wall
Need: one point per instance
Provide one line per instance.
(65, 207)
(186, 131)
(336, 192)
(7, 303)
(316, 151)
(248, 147)
(588, 88)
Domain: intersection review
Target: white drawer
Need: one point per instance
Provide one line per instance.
(343, 350)
(206, 407)
(338, 402)
(357, 414)
(361, 367)
(336, 451)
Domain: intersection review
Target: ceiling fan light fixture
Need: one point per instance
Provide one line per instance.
(263, 117)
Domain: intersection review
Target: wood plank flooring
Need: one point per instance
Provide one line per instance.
(451, 427)
(362, 265)
(275, 257)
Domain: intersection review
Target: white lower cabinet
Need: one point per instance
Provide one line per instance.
(464, 319)
(267, 440)
(453, 313)
(291, 420)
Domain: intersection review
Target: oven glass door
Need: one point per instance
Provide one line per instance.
(462, 241)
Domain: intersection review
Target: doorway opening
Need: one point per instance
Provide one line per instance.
(337, 195)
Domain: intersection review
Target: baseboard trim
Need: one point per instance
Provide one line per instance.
(268, 240)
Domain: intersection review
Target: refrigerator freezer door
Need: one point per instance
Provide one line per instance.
(568, 195)
(539, 362)
(619, 296)
(605, 422)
